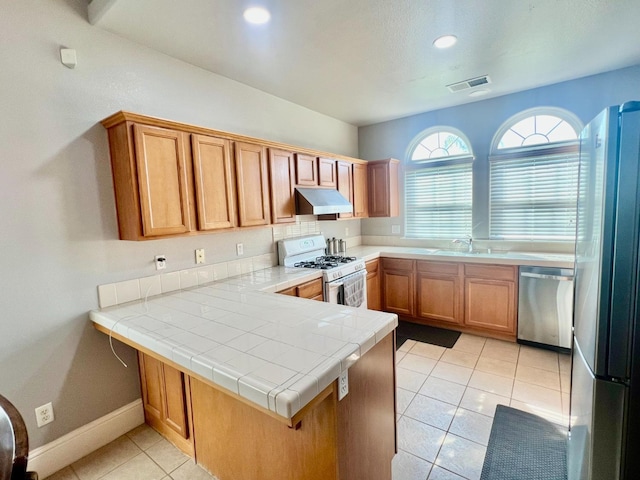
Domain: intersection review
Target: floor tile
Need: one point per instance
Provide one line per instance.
(144, 436)
(399, 356)
(407, 345)
(501, 352)
(106, 459)
(442, 390)
(409, 380)
(190, 471)
(453, 373)
(539, 358)
(536, 395)
(66, 473)
(431, 411)
(551, 415)
(417, 363)
(461, 456)
(403, 399)
(491, 383)
(565, 383)
(409, 467)
(419, 438)
(458, 357)
(439, 473)
(495, 344)
(537, 376)
(482, 402)
(564, 362)
(496, 366)
(140, 467)
(166, 455)
(428, 350)
(470, 343)
(472, 426)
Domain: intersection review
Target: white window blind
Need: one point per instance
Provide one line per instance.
(533, 196)
(438, 201)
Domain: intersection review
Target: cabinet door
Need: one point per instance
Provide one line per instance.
(152, 385)
(345, 183)
(398, 280)
(214, 182)
(162, 180)
(490, 304)
(327, 172)
(306, 170)
(383, 188)
(360, 191)
(175, 411)
(252, 184)
(374, 300)
(439, 298)
(282, 179)
(311, 289)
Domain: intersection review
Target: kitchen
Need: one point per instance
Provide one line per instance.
(64, 237)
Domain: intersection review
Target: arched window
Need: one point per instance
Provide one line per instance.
(438, 185)
(534, 176)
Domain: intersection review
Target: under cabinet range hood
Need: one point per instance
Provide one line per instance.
(321, 201)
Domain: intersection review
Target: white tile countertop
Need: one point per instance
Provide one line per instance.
(370, 252)
(277, 351)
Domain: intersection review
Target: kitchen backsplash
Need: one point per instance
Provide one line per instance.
(139, 288)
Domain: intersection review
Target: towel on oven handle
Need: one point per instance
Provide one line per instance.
(354, 288)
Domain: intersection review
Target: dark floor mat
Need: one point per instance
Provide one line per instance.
(425, 333)
(524, 446)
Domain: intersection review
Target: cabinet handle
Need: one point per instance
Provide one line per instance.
(547, 277)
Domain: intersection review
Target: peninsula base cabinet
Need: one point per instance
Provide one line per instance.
(329, 439)
(474, 298)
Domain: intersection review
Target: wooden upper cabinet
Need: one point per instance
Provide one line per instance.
(215, 195)
(282, 179)
(345, 183)
(360, 191)
(163, 173)
(306, 170)
(253, 185)
(327, 176)
(383, 188)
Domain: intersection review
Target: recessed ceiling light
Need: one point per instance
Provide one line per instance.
(445, 41)
(479, 93)
(257, 15)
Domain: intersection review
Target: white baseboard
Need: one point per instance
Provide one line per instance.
(71, 447)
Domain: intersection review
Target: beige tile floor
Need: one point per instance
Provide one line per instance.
(446, 400)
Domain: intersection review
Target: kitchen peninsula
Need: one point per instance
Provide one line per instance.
(248, 382)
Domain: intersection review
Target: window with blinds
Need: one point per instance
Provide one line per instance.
(534, 180)
(438, 186)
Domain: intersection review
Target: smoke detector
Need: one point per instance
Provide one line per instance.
(466, 84)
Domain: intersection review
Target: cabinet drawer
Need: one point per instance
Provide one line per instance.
(438, 267)
(397, 264)
(494, 272)
(311, 289)
(372, 266)
(291, 291)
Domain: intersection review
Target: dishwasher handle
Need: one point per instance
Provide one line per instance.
(546, 276)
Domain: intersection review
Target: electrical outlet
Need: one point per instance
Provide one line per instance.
(161, 262)
(199, 256)
(239, 249)
(343, 385)
(44, 414)
(346, 231)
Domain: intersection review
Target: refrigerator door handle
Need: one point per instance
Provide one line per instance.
(547, 277)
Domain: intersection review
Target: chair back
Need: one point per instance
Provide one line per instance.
(14, 443)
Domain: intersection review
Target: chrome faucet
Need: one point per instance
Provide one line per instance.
(465, 241)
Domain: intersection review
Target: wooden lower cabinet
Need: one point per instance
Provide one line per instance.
(313, 289)
(374, 298)
(329, 439)
(166, 399)
(398, 286)
(439, 291)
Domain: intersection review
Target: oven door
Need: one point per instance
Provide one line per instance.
(335, 290)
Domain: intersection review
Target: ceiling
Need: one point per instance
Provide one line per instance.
(367, 61)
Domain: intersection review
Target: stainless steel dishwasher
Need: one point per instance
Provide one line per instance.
(545, 306)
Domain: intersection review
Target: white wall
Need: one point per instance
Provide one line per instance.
(59, 234)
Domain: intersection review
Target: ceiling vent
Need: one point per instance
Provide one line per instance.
(472, 82)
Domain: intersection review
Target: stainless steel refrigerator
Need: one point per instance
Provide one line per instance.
(604, 440)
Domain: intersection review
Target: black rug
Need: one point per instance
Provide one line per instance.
(425, 333)
(523, 446)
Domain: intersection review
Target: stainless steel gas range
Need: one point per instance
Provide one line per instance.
(345, 278)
